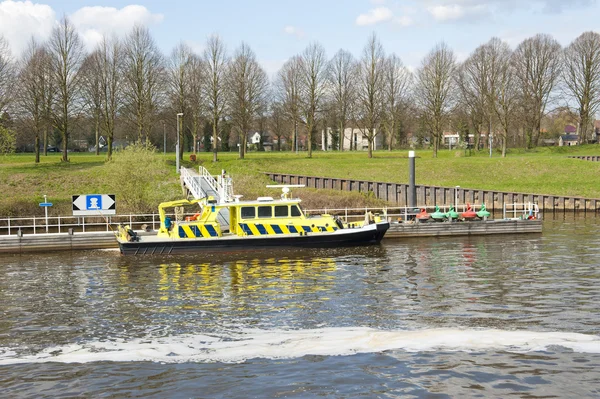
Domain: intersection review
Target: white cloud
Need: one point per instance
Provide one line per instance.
(374, 16)
(20, 20)
(293, 31)
(453, 10)
(94, 22)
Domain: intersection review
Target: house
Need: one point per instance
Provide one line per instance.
(255, 138)
(596, 132)
(452, 139)
(568, 139)
(352, 136)
(570, 129)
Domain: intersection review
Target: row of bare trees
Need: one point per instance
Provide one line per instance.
(501, 93)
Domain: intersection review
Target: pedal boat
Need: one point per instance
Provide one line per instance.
(262, 223)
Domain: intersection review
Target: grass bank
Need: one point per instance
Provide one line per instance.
(543, 170)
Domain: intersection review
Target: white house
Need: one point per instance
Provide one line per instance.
(353, 136)
(255, 138)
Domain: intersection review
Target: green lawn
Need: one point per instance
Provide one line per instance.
(544, 171)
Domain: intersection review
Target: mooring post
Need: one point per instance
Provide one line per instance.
(412, 188)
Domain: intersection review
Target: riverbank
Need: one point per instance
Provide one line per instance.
(543, 170)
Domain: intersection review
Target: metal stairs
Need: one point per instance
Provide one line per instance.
(203, 184)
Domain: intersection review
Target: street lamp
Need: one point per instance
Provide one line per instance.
(165, 138)
(177, 148)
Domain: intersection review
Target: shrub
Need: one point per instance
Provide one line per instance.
(139, 178)
(8, 141)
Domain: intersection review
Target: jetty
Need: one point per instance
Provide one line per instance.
(66, 233)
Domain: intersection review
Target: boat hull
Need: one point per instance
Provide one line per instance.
(152, 245)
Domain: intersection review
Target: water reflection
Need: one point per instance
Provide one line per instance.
(253, 279)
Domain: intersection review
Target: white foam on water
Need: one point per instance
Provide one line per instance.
(281, 344)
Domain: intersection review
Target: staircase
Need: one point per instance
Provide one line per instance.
(203, 184)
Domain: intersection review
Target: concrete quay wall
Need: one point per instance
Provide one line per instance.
(397, 193)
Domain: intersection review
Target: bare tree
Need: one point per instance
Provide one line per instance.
(537, 66)
(369, 90)
(143, 74)
(110, 54)
(342, 76)
(582, 78)
(195, 95)
(313, 74)
(67, 51)
(91, 90)
(33, 80)
(179, 72)
(7, 75)
(473, 79)
(215, 61)
(247, 85)
(288, 90)
(396, 82)
(502, 91)
(279, 124)
(434, 90)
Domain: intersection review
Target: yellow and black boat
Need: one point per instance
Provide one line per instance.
(264, 222)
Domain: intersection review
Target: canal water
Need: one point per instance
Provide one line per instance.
(499, 316)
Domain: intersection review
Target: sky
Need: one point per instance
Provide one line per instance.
(279, 29)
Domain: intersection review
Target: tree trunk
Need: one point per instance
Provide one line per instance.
(309, 138)
(97, 127)
(46, 141)
(215, 138)
(37, 147)
(109, 143)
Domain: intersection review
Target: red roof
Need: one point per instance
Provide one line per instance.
(570, 129)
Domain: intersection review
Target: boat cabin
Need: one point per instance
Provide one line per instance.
(263, 216)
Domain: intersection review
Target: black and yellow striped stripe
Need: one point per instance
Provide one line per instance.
(259, 229)
(197, 230)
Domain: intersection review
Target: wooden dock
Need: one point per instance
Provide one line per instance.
(56, 242)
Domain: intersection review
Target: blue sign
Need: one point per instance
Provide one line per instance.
(45, 203)
(93, 202)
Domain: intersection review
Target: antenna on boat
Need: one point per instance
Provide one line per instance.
(285, 188)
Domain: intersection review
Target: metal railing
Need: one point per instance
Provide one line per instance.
(62, 224)
(510, 211)
(192, 182)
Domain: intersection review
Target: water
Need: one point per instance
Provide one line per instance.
(500, 316)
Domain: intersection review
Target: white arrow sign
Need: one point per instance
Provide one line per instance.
(94, 204)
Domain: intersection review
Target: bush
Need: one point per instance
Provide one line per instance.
(139, 178)
(8, 141)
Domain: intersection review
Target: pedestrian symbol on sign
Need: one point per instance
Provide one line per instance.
(94, 202)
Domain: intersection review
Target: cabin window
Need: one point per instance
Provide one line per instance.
(248, 212)
(281, 211)
(265, 212)
(295, 210)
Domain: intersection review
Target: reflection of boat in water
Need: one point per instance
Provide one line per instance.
(262, 223)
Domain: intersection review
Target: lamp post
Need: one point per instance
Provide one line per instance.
(177, 148)
(165, 138)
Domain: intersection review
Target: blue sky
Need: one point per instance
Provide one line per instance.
(277, 30)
